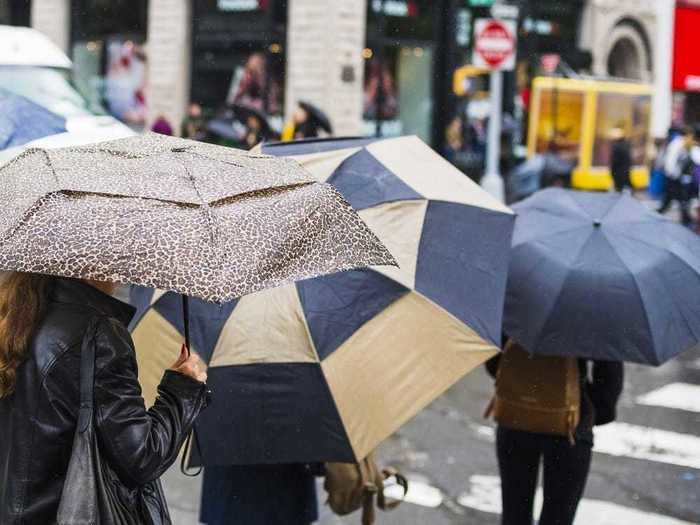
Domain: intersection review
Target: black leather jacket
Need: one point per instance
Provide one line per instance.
(37, 422)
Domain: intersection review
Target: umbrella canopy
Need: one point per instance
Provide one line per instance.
(242, 112)
(600, 276)
(22, 121)
(223, 128)
(174, 214)
(317, 115)
(327, 368)
(537, 172)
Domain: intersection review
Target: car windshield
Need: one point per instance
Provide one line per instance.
(48, 87)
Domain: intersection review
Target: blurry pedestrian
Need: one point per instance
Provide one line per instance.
(307, 122)
(193, 125)
(454, 139)
(678, 167)
(256, 87)
(546, 408)
(658, 176)
(254, 133)
(44, 323)
(259, 495)
(162, 126)
(620, 159)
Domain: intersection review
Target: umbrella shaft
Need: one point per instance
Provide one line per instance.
(186, 319)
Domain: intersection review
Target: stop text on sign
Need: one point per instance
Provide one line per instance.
(495, 43)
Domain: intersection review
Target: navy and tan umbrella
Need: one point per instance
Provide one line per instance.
(601, 276)
(327, 368)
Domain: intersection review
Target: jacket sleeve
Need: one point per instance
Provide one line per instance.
(605, 389)
(140, 444)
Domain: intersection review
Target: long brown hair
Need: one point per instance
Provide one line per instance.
(23, 300)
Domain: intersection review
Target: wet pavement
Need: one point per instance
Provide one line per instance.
(645, 471)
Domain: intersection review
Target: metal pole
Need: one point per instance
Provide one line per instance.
(492, 181)
(379, 105)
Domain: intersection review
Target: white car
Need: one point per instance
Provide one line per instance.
(34, 67)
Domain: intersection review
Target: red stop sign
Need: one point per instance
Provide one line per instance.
(495, 43)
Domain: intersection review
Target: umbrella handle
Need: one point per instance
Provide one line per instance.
(186, 319)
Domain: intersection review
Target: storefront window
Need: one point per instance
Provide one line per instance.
(15, 13)
(109, 55)
(628, 113)
(559, 124)
(399, 67)
(238, 56)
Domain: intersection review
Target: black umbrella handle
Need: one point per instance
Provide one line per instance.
(186, 319)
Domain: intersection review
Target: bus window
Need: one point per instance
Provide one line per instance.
(559, 126)
(631, 114)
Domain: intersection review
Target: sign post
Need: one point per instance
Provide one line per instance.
(494, 48)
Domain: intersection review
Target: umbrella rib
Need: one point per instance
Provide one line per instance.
(550, 235)
(208, 213)
(561, 290)
(40, 201)
(203, 204)
(200, 154)
(639, 291)
(678, 258)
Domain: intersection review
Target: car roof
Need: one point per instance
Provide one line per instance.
(23, 46)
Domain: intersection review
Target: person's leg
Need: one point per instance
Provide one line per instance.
(670, 194)
(566, 470)
(619, 182)
(684, 202)
(665, 203)
(518, 462)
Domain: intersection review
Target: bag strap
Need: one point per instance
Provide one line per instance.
(87, 377)
(401, 481)
(186, 456)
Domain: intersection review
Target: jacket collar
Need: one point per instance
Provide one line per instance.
(74, 291)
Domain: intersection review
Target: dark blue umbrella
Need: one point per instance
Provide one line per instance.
(22, 121)
(600, 276)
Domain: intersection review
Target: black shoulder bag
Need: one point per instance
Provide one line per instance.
(93, 494)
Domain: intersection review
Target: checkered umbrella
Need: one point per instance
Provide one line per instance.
(327, 368)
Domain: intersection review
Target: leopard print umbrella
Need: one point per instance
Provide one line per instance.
(162, 212)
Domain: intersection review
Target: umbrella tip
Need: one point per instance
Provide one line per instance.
(597, 223)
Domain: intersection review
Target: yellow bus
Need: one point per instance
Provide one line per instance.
(579, 118)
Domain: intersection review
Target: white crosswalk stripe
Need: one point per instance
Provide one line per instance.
(484, 494)
(633, 441)
(419, 493)
(681, 396)
(663, 446)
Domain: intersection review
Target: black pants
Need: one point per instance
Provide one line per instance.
(621, 180)
(677, 191)
(566, 469)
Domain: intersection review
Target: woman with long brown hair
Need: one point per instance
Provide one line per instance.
(43, 323)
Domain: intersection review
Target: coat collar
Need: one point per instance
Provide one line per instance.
(74, 291)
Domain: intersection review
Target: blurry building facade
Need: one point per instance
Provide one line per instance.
(360, 61)
(633, 40)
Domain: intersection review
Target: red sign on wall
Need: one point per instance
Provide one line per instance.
(686, 59)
